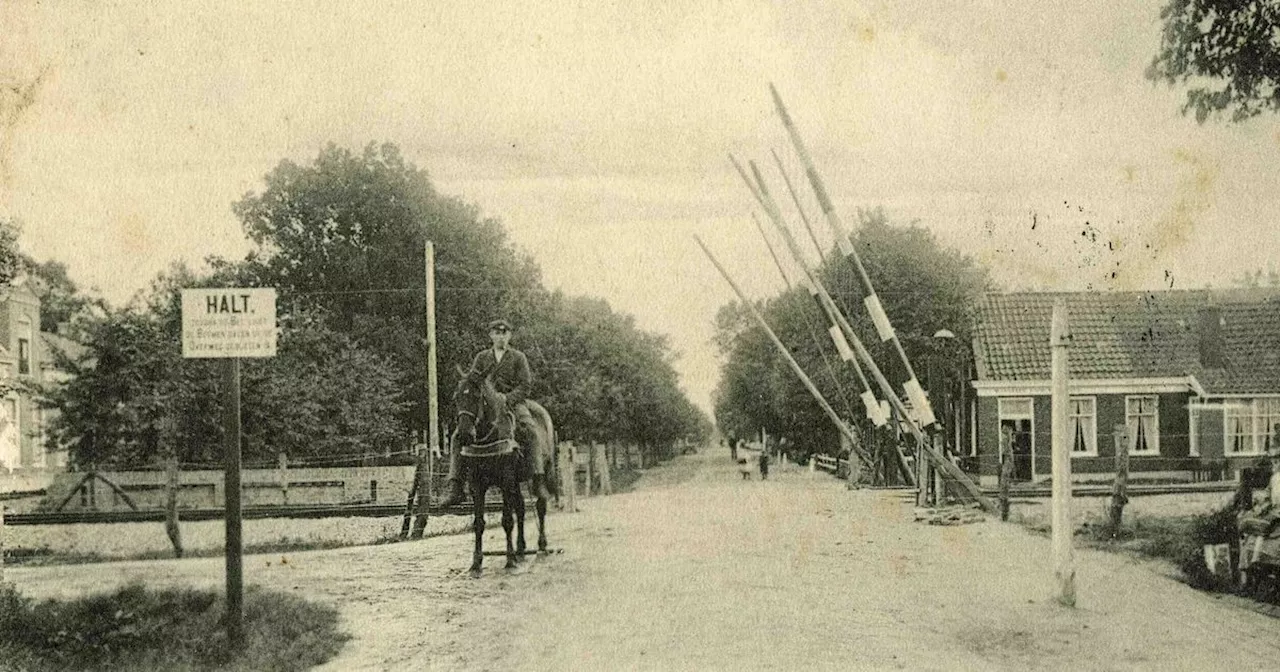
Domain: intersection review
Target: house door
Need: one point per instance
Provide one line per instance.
(1021, 446)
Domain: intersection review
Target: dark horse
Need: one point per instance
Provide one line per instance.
(491, 456)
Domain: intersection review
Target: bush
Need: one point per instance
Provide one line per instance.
(172, 629)
(1218, 527)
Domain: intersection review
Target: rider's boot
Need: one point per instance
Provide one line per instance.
(455, 495)
(540, 487)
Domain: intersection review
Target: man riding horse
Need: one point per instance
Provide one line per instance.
(508, 369)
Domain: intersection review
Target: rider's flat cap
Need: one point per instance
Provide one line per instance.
(500, 324)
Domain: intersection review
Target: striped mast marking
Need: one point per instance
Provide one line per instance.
(813, 335)
(912, 386)
(919, 402)
(795, 367)
(842, 332)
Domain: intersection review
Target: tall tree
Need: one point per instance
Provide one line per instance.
(1227, 50)
(346, 235)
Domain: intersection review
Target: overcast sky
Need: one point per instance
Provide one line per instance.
(598, 133)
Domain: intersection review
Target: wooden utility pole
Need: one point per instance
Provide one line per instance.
(231, 495)
(433, 392)
(854, 468)
(922, 477)
(423, 471)
(939, 485)
(569, 476)
(1119, 494)
(282, 476)
(602, 466)
(172, 486)
(1064, 563)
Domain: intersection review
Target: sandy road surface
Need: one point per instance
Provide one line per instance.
(700, 570)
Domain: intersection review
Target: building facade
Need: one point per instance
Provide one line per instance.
(1190, 380)
(26, 356)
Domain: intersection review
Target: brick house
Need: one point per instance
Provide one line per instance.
(1194, 376)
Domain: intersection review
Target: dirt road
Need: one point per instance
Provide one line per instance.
(699, 570)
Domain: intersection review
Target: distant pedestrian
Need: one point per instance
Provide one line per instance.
(733, 448)
(764, 465)
(745, 468)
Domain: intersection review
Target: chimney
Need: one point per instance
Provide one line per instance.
(1210, 328)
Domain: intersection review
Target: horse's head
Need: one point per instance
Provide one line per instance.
(477, 407)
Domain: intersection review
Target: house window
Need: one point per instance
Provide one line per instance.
(1083, 424)
(1142, 417)
(1250, 425)
(24, 356)
(1268, 417)
(1238, 425)
(1015, 408)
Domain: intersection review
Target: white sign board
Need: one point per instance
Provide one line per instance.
(229, 322)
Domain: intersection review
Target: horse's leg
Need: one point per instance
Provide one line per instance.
(520, 511)
(541, 508)
(509, 519)
(478, 489)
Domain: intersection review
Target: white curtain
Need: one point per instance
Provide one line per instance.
(1144, 435)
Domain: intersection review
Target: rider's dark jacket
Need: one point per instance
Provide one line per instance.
(511, 376)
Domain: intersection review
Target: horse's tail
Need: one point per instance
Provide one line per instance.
(551, 454)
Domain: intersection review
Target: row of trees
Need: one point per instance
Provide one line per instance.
(342, 240)
(924, 287)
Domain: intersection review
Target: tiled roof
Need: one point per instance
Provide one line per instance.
(1137, 335)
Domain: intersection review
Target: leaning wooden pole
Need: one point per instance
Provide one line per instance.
(813, 335)
(919, 402)
(1064, 563)
(841, 331)
(795, 198)
(760, 189)
(817, 292)
(842, 347)
(795, 367)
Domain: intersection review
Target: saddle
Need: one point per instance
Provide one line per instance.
(500, 440)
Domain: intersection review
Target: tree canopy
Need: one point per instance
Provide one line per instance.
(1227, 50)
(342, 240)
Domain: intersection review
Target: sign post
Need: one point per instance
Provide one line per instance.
(230, 323)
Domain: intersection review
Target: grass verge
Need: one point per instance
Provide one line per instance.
(1179, 540)
(137, 628)
(44, 556)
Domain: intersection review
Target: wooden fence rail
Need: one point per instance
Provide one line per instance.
(827, 463)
